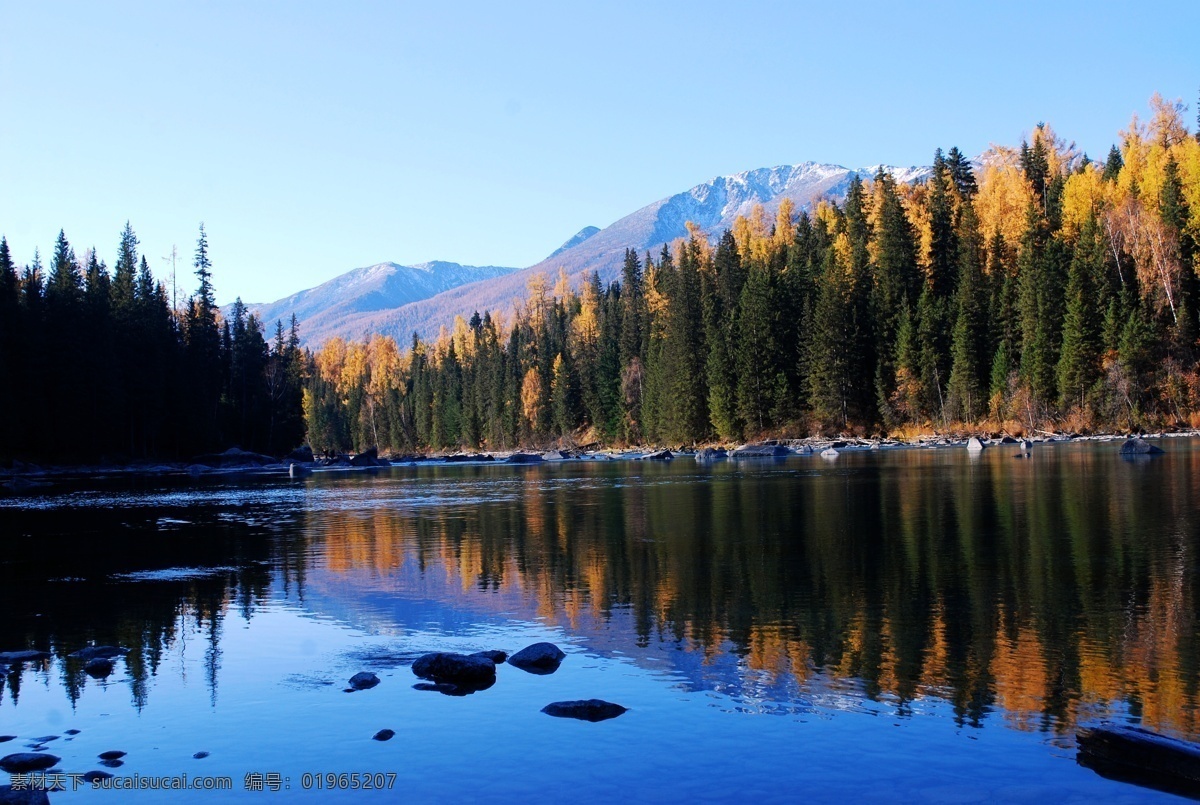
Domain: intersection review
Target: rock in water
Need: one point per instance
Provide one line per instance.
(661, 455)
(462, 670)
(1139, 447)
(98, 668)
(524, 458)
(540, 658)
(23, 762)
(23, 796)
(200, 755)
(761, 451)
(112, 754)
(11, 657)
(98, 653)
(89, 776)
(975, 445)
(363, 680)
(383, 735)
(495, 656)
(829, 453)
(585, 710)
(1140, 756)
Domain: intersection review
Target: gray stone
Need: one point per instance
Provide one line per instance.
(98, 652)
(22, 762)
(585, 710)
(524, 458)
(761, 450)
(975, 444)
(1139, 447)
(711, 454)
(659, 455)
(98, 668)
(363, 680)
(461, 670)
(540, 658)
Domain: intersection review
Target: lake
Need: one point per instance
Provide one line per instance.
(893, 625)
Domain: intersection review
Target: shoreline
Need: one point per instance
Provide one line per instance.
(22, 476)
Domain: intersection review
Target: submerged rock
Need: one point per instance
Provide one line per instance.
(437, 687)
(712, 454)
(113, 764)
(1139, 447)
(98, 668)
(540, 658)
(29, 655)
(200, 755)
(383, 735)
(90, 776)
(98, 652)
(462, 670)
(1137, 755)
(112, 754)
(23, 762)
(585, 710)
(23, 796)
(363, 680)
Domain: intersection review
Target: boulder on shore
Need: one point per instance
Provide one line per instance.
(585, 710)
(1139, 447)
(762, 450)
(711, 454)
(975, 445)
(461, 670)
(524, 458)
(301, 455)
(660, 455)
(540, 658)
(369, 458)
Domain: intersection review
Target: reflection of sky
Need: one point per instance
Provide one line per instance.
(713, 720)
(280, 707)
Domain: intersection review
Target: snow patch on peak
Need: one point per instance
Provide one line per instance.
(575, 240)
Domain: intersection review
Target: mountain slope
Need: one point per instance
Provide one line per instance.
(713, 206)
(330, 308)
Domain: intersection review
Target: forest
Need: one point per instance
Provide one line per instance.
(1033, 289)
(98, 366)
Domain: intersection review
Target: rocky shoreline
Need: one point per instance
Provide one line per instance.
(21, 476)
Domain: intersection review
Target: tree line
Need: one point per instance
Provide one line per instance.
(98, 365)
(1035, 289)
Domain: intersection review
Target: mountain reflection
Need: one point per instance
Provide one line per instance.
(1038, 593)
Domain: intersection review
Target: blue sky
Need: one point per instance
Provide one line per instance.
(312, 138)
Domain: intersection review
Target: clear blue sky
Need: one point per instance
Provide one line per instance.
(312, 138)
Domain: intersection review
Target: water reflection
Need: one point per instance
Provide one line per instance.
(1040, 593)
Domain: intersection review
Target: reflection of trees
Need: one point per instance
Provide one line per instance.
(1056, 588)
(63, 591)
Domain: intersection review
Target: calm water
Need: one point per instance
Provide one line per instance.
(911, 625)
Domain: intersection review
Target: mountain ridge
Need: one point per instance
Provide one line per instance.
(712, 205)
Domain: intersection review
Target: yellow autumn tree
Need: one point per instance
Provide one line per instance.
(531, 398)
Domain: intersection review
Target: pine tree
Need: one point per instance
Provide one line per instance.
(1113, 165)
(1079, 360)
(965, 388)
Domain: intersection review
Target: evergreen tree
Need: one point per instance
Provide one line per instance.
(1079, 360)
(1113, 165)
(965, 389)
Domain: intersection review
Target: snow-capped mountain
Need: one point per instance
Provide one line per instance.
(328, 309)
(713, 206)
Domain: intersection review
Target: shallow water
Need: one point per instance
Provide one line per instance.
(910, 625)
